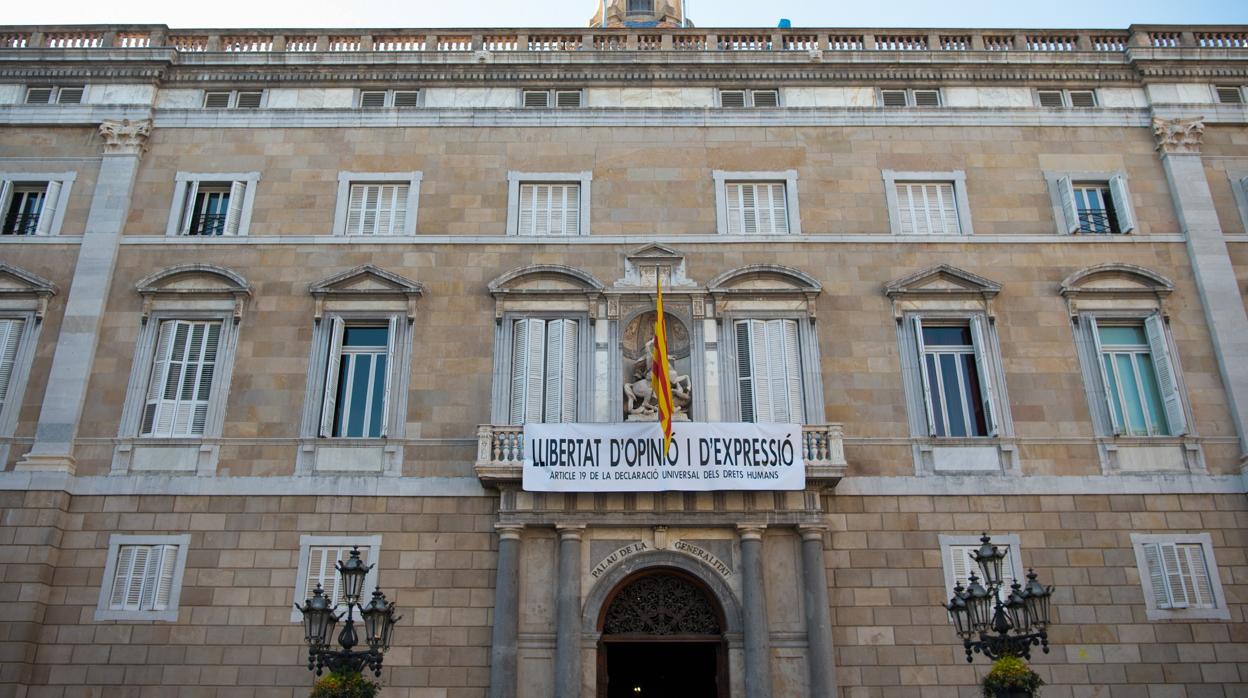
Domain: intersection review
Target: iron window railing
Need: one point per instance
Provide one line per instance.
(21, 224)
(207, 224)
(1098, 221)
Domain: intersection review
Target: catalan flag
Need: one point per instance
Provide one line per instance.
(660, 380)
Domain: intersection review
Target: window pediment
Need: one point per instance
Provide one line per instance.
(369, 284)
(942, 287)
(647, 263)
(765, 287)
(194, 283)
(1115, 286)
(545, 286)
(19, 287)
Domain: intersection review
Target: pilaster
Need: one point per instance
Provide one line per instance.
(754, 614)
(568, 613)
(820, 658)
(123, 147)
(1179, 144)
(506, 613)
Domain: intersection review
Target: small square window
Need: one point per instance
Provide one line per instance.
(1229, 94)
(143, 578)
(39, 95)
(406, 98)
(1082, 98)
(894, 98)
(216, 100)
(70, 95)
(249, 100)
(318, 557)
(1180, 576)
(929, 97)
(33, 204)
(377, 209)
(373, 98)
(536, 99)
(548, 204)
(1051, 98)
(545, 99)
(756, 203)
(233, 99)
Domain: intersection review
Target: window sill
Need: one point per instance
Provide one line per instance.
(1151, 454)
(965, 455)
(189, 456)
(42, 239)
(168, 615)
(1187, 614)
(351, 457)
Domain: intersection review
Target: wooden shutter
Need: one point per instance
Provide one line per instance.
(1167, 382)
(204, 382)
(47, 208)
(153, 409)
(1156, 575)
(1070, 210)
(1174, 576)
(528, 370)
(571, 209)
(392, 338)
(121, 577)
(318, 565)
(234, 212)
(946, 208)
(736, 210)
(527, 214)
(191, 191)
(398, 216)
(906, 209)
(763, 405)
(770, 207)
(962, 565)
(1122, 203)
(917, 328)
(745, 371)
(6, 197)
(793, 371)
(332, 361)
(132, 561)
(355, 209)
(979, 335)
(163, 582)
(1200, 584)
(561, 378)
(10, 336)
(1094, 334)
(177, 405)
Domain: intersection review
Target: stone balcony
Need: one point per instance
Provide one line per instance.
(500, 450)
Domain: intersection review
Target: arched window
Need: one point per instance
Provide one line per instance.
(641, 7)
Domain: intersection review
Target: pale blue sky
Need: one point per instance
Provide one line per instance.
(575, 13)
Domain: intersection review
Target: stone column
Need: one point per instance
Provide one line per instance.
(506, 613)
(1179, 142)
(754, 598)
(819, 656)
(124, 143)
(568, 614)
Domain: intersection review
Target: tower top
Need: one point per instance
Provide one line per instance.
(640, 13)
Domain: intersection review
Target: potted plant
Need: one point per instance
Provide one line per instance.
(1010, 677)
(352, 685)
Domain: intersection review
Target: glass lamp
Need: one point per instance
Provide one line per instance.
(379, 621)
(318, 618)
(989, 558)
(978, 605)
(353, 572)
(1016, 608)
(959, 613)
(1037, 601)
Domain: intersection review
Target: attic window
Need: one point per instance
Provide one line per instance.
(233, 99)
(1229, 94)
(54, 95)
(737, 99)
(374, 99)
(544, 99)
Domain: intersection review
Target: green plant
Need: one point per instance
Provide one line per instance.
(345, 686)
(1011, 674)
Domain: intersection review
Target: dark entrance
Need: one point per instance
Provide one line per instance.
(662, 637)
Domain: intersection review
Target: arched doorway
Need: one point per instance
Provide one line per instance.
(662, 636)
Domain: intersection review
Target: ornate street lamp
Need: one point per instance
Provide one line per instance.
(996, 621)
(320, 619)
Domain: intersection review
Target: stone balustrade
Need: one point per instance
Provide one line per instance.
(625, 39)
(500, 451)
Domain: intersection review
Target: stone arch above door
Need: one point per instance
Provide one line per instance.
(602, 590)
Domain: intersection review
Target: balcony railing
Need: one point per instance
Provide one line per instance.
(500, 451)
(21, 224)
(740, 40)
(207, 224)
(1097, 221)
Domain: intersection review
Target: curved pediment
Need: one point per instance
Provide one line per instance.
(194, 278)
(942, 281)
(1116, 279)
(544, 278)
(764, 278)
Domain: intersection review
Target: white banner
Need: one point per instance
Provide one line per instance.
(629, 457)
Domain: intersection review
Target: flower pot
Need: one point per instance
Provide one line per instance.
(1011, 693)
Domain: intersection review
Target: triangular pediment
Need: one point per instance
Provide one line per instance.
(16, 281)
(366, 280)
(942, 280)
(649, 264)
(655, 251)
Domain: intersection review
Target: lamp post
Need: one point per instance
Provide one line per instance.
(996, 621)
(320, 619)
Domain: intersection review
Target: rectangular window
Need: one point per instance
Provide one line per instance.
(769, 371)
(1180, 576)
(322, 569)
(549, 209)
(181, 381)
(10, 339)
(377, 209)
(357, 380)
(24, 206)
(55, 95)
(142, 578)
(1229, 94)
(1137, 374)
(910, 98)
(1094, 206)
(213, 208)
(757, 208)
(233, 99)
(749, 98)
(957, 384)
(927, 208)
(962, 565)
(373, 98)
(389, 98)
(1051, 98)
(544, 358)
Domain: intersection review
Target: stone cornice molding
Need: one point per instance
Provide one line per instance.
(1179, 136)
(125, 137)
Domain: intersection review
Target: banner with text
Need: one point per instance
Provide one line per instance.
(629, 457)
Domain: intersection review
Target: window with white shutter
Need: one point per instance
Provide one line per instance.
(181, 383)
(377, 209)
(142, 578)
(10, 340)
(769, 371)
(549, 209)
(1179, 576)
(357, 379)
(33, 203)
(1137, 375)
(957, 377)
(927, 208)
(757, 208)
(318, 558)
(544, 359)
(961, 565)
(212, 204)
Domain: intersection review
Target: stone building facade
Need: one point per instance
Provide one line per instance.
(996, 275)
